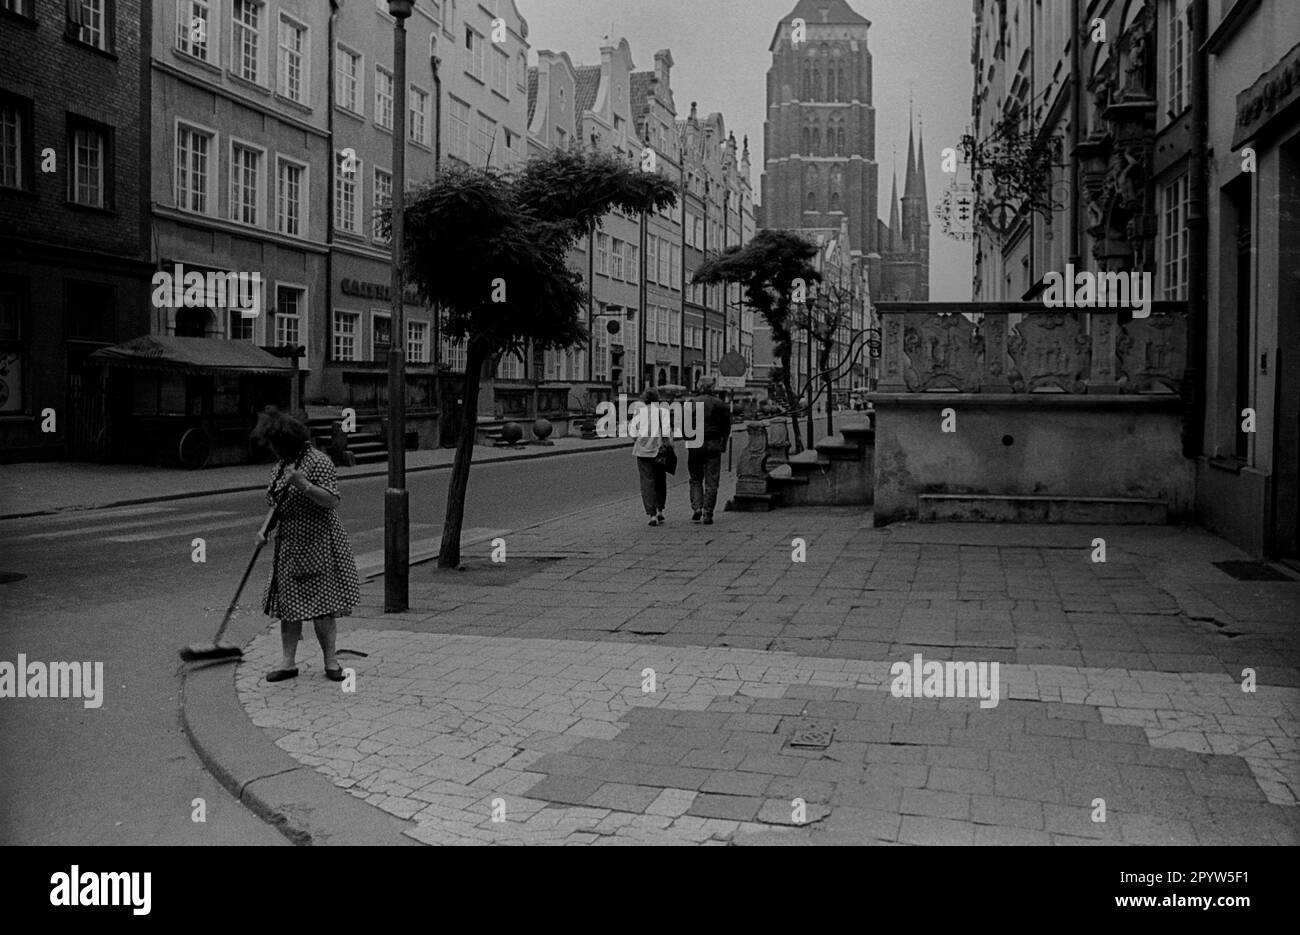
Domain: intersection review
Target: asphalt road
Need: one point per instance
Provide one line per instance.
(120, 586)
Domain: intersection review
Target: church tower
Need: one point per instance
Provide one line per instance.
(820, 154)
(820, 132)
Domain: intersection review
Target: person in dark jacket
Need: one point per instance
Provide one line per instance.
(704, 463)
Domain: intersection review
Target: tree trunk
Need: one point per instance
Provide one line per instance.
(454, 515)
(790, 401)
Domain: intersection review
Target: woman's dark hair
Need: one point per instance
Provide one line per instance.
(286, 436)
(651, 395)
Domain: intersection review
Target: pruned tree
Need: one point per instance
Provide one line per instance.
(772, 268)
(490, 247)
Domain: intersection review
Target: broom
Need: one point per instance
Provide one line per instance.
(200, 652)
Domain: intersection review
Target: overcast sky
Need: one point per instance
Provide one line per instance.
(720, 50)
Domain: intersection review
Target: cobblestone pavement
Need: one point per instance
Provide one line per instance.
(617, 684)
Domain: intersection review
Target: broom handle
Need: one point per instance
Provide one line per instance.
(261, 541)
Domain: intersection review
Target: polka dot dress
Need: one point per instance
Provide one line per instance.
(314, 573)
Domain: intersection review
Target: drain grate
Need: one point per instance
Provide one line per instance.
(812, 736)
(1252, 571)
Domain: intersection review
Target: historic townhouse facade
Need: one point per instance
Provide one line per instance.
(241, 146)
(74, 177)
(358, 314)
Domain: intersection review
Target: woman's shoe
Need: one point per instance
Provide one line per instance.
(334, 674)
(279, 675)
(661, 518)
(654, 521)
(695, 516)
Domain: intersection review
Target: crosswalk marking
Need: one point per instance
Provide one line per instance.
(201, 530)
(91, 530)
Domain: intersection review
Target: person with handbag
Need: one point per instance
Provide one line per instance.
(704, 463)
(656, 457)
(314, 574)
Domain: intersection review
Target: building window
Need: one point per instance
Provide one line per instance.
(345, 335)
(484, 136)
(616, 259)
(245, 14)
(1180, 55)
(289, 305)
(665, 263)
(383, 97)
(345, 194)
(602, 253)
(245, 181)
(651, 258)
(15, 131)
(289, 198)
(192, 28)
(347, 80)
(240, 325)
(383, 197)
(510, 367)
(675, 327)
(1174, 240)
(21, 7)
(475, 48)
(94, 19)
(633, 263)
(675, 271)
(293, 50)
(662, 321)
(418, 117)
(192, 167)
(521, 72)
(501, 73)
(381, 333)
(417, 342)
(458, 145)
(600, 355)
(88, 159)
(453, 354)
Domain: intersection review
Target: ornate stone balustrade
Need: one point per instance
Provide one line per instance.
(1025, 347)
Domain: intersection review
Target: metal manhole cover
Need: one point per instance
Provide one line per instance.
(9, 577)
(814, 736)
(1252, 571)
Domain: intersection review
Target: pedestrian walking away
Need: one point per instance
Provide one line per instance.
(313, 574)
(655, 457)
(704, 463)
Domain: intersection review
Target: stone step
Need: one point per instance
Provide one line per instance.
(782, 474)
(808, 460)
(1026, 508)
(837, 448)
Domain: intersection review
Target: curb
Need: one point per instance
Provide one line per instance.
(298, 801)
(245, 488)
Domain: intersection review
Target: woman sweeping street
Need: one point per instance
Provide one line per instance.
(313, 575)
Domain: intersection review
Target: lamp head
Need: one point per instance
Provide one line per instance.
(400, 9)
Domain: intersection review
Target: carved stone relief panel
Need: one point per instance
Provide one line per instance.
(1050, 349)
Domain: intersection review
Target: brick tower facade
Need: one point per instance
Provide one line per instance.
(820, 148)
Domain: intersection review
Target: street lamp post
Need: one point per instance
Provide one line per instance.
(397, 511)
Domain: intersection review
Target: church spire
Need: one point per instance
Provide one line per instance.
(920, 168)
(894, 223)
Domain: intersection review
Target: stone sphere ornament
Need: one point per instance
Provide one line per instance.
(542, 429)
(512, 432)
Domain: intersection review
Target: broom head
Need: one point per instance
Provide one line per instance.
(201, 652)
